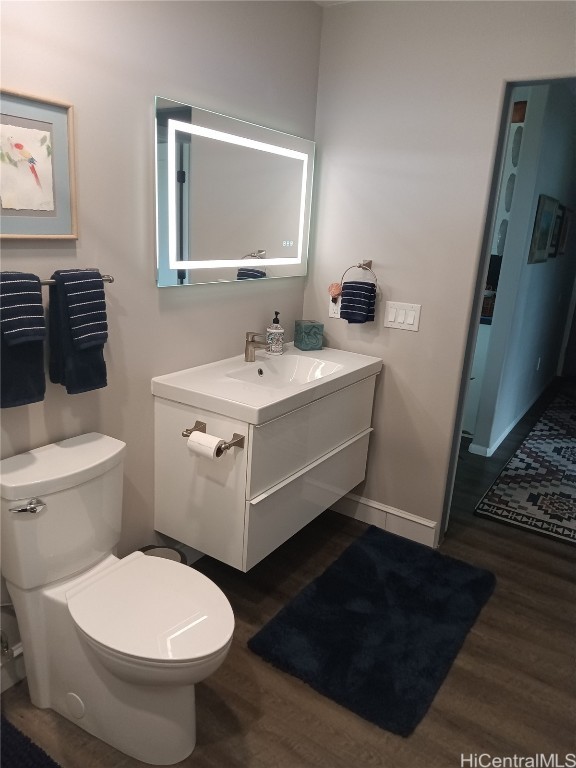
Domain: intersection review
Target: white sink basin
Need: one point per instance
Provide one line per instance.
(268, 388)
(284, 370)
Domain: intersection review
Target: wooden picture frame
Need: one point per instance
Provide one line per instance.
(543, 228)
(565, 230)
(555, 234)
(37, 179)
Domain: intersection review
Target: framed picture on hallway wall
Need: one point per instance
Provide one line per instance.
(556, 229)
(565, 230)
(543, 229)
(37, 183)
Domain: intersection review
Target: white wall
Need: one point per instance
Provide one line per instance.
(255, 61)
(408, 112)
(409, 104)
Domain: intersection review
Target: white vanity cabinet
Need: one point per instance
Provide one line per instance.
(238, 508)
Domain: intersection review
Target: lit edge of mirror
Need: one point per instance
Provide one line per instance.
(209, 133)
(208, 274)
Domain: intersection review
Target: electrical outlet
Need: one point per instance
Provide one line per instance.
(334, 308)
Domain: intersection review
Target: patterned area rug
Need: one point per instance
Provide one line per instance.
(536, 490)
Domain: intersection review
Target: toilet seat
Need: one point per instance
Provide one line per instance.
(153, 610)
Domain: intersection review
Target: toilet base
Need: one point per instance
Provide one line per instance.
(159, 729)
(152, 723)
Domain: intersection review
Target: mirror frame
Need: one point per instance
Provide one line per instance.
(218, 127)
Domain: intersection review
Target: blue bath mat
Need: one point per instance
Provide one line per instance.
(18, 751)
(378, 631)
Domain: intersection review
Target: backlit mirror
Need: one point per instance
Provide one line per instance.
(232, 198)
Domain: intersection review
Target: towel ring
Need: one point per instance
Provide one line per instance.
(361, 265)
(256, 255)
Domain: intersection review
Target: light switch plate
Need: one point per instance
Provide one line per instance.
(397, 314)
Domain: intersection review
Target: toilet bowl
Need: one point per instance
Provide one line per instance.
(115, 645)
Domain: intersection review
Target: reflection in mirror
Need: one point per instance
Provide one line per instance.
(232, 198)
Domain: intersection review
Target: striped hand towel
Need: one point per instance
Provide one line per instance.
(23, 329)
(86, 302)
(77, 330)
(22, 313)
(358, 301)
(246, 273)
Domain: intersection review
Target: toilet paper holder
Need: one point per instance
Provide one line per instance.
(200, 426)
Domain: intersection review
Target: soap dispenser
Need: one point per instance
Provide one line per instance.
(275, 337)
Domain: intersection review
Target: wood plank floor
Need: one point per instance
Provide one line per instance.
(511, 690)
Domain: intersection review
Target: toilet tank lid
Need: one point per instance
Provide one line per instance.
(58, 466)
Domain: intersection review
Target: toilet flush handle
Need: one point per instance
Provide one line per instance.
(34, 505)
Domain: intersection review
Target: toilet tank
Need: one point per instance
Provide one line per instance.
(79, 481)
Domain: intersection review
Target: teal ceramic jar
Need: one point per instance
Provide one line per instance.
(308, 335)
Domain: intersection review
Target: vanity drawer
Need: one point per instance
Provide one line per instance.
(273, 517)
(284, 446)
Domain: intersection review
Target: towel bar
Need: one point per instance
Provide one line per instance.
(105, 278)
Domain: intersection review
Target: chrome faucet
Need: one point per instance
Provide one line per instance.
(252, 345)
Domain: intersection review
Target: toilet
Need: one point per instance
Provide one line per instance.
(114, 645)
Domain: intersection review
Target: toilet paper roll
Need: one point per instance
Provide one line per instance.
(205, 445)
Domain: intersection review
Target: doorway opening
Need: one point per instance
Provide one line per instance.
(523, 314)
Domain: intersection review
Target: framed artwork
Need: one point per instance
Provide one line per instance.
(565, 230)
(555, 234)
(37, 183)
(543, 229)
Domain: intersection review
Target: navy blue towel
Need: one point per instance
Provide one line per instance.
(78, 330)
(358, 301)
(246, 273)
(23, 330)
(86, 302)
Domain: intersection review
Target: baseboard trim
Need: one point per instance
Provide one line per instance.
(389, 519)
(483, 450)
